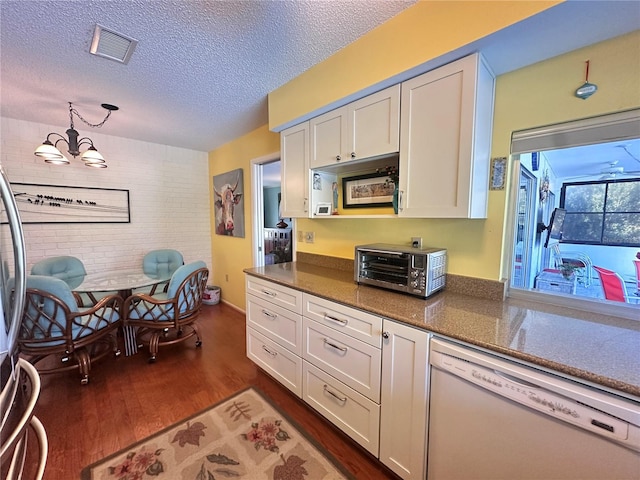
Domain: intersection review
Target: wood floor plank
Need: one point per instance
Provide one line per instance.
(129, 399)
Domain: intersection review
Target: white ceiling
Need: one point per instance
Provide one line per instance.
(201, 72)
(611, 160)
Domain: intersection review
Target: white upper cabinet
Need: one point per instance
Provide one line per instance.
(445, 141)
(294, 151)
(365, 128)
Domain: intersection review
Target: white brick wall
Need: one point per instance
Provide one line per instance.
(168, 198)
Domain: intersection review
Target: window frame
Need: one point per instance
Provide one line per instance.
(603, 213)
(617, 126)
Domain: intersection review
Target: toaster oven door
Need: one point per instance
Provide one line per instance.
(384, 269)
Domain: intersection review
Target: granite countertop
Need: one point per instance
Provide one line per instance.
(591, 347)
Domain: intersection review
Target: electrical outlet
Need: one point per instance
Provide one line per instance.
(300, 236)
(416, 242)
(309, 236)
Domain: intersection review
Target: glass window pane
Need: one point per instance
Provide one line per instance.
(584, 198)
(622, 228)
(582, 227)
(623, 197)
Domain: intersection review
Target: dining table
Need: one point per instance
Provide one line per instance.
(122, 282)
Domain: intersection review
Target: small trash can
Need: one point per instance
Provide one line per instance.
(211, 295)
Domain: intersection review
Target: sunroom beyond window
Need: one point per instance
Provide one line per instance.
(592, 183)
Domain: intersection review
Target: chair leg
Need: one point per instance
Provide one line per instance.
(154, 344)
(196, 329)
(114, 346)
(84, 364)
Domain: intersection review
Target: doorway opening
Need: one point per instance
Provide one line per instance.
(272, 237)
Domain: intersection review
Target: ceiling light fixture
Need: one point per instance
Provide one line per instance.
(91, 157)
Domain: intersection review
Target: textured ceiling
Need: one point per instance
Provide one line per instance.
(202, 70)
(200, 73)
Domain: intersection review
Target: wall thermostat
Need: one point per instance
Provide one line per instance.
(323, 209)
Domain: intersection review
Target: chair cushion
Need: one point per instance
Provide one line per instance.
(181, 274)
(158, 312)
(162, 262)
(61, 290)
(69, 269)
(54, 286)
(58, 288)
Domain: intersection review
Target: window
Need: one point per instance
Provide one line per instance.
(591, 169)
(604, 212)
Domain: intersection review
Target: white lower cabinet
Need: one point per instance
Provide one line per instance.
(351, 412)
(365, 374)
(274, 330)
(404, 400)
(280, 363)
(351, 361)
(280, 324)
(341, 367)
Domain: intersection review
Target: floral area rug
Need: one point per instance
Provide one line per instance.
(243, 437)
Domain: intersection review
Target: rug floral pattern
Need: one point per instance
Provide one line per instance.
(243, 437)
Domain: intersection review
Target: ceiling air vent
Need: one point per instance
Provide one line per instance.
(112, 45)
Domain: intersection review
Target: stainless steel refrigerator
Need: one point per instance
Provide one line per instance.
(22, 436)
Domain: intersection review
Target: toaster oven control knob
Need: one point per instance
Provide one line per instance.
(414, 284)
(414, 274)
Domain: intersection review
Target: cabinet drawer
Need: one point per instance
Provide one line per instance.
(282, 296)
(354, 414)
(349, 360)
(275, 322)
(277, 361)
(361, 325)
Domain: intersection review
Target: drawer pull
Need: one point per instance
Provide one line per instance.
(270, 315)
(333, 345)
(334, 395)
(267, 292)
(337, 320)
(273, 354)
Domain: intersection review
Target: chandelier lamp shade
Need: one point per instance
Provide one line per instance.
(91, 157)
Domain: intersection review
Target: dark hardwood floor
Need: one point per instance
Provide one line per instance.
(128, 399)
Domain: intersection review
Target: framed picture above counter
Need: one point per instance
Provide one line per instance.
(369, 190)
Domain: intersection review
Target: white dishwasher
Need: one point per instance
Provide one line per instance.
(490, 418)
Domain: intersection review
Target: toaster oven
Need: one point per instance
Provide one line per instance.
(417, 271)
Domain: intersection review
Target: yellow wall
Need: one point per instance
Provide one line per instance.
(230, 255)
(537, 95)
(422, 32)
(545, 92)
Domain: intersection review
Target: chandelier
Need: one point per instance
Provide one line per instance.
(91, 157)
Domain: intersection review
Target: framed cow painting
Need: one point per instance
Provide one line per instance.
(228, 203)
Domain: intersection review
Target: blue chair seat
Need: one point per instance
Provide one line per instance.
(157, 316)
(54, 325)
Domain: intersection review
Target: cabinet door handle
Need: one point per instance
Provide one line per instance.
(400, 196)
(270, 315)
(337, 320)
(353, 154)
(267, 292)
(273, 354)
(334, 395)
(338, 158)
(337, 347)
(385, 335)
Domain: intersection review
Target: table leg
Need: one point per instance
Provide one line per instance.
(129, 333)
(130, 344)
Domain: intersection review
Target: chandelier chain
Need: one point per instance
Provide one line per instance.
(74, 111)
